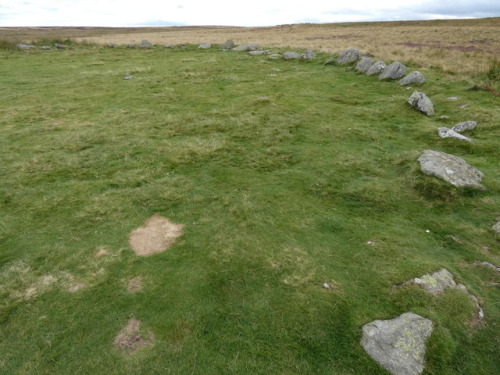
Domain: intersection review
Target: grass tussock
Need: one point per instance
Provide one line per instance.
(285, 176)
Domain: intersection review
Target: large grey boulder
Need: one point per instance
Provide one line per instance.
(376, 68)
(412, 78)
(394, 71)
(421, 103)
(364, 64)
(246, 47)
(450, 133)
(463, 126)
(228, 45)
(348, 56)
(291, 55)
(145, 44)
(451, 169)
(205, 45)
(398, 345)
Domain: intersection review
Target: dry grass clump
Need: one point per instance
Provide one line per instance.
(130, 338)
(156, 236)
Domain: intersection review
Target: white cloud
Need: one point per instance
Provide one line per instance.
(230, 12)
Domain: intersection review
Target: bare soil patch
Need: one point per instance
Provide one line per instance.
(135, 284)
(156, 236)
(130, 338)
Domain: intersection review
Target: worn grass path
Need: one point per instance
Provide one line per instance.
(285, 175)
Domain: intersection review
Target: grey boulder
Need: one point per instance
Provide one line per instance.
(421, 103)
(450, 168)
(348, 56)
(246, 47)
(364, 64)
(412, 78)
(463, 126)
(205, 45)
(145, 44)
(229, 44)
(394, 71)
(398, 345)
(450, 133)
(376, 68)
(309, 55)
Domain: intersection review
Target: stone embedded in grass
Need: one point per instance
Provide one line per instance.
(291, 55)
(376, 68)
(450, 133)
(398, 345)
(128, 76)
(421, 103)
(463, 126)
(394, 71)
(246, 47)
(441, 280)
(275, 56)
(488, 264)
(145, 44)
(25, 46)
(496, 227)
(413, 77)
(309, 55)
(59, 46)
(130, 337)
(364, 64)
(451, 169)
(156, 236)
(229, 44)
(348, 56)
(258, 53)
(111, 45)
(205, 45)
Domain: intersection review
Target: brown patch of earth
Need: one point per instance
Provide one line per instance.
(130, 338)
(102, 251)
(156, 236)
(76, 287)
(135, 284)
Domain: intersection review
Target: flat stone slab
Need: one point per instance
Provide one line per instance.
(451, 169)
(398, 345)
(450, 133)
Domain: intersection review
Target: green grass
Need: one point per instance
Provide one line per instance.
(281, 173)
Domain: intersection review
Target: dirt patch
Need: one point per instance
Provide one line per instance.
(130, 338)
(76, 287)
(156, 236)
(135, 284)
(101, 252)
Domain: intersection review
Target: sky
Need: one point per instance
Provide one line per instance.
(233, 13)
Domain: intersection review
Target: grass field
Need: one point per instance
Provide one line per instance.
(285, 175)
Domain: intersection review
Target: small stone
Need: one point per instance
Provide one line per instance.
(463, 126)
(111, 45)
(246, 47)
(309, 55)
(228, 45)
(45, 48)
(128, 76)
(376, 68)
(275, 56)
(450, 133)
(326, 286)
(25, 46)
(463, 105)
(398, 345)
(451, 169)
(413, 77)
(349, 56)
(145, 44)
(452, 98)
(59, 46)
(421, 103)
(205, 45)
(330, 61)
(291, 55)
(394, 71)
(496, 227)
(258, 53)
(364, 64)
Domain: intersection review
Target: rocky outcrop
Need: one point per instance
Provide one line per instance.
(451, 169)
(398, 345)
(421, 103)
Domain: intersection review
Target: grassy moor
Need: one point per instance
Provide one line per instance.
(200, 211)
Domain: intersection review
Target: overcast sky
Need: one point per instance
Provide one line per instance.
(232, 12)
